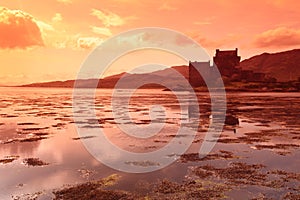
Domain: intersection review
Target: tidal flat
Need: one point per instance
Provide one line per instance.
(42, 155)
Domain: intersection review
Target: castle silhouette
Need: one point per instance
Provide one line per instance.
(227, 62)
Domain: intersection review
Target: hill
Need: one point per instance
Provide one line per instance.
(164, 76)
(284, 66)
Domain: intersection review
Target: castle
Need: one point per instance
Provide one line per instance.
(227, 62)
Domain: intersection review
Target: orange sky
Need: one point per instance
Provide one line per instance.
(48, 40)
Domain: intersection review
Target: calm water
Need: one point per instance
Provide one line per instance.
(38, 123)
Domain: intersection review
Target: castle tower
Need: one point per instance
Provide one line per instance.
(227, 61)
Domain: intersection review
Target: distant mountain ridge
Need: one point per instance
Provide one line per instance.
(284, 66)
(110, 81)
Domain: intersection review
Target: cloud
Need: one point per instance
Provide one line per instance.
(228, 40)
(57, 17)
(167, 7)
(101, 30)
(205, 21)
(76, 42)
(88, 42)
(108, 18)
(64, 1)
(18, 29)
(44, 26)
(279, 37)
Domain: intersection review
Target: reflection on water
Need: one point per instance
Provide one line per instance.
(38, 123)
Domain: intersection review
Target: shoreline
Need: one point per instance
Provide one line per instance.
(231, 90)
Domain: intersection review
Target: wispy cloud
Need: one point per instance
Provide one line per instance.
(101, 30)
(205, 21)
(167, 7)
(44, 26)
(279, 37)
(57, 17)
(88, 42)
(108, 18)
(225, 41)
(65, 1)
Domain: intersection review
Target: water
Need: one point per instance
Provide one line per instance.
(38, 123)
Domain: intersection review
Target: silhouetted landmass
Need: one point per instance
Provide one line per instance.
(282, 68)
(131, 80)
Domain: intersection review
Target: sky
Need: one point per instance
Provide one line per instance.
(50, 39)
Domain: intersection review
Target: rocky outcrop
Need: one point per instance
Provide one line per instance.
(231, 120)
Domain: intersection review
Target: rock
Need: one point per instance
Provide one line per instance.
(231, 120)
